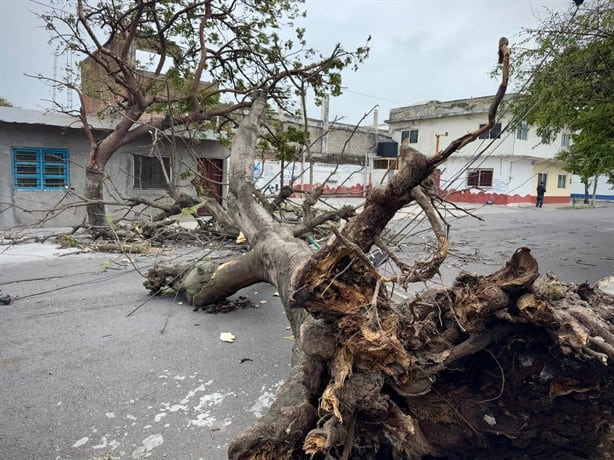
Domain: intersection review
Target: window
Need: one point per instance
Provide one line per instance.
(381, 163)
(522, 131)
(542, 178)
(148, 172)
(565, 140)
(412, 134)
(546, 138)
(479, 178)
(492, 133)
(40, 169)
(562, 183)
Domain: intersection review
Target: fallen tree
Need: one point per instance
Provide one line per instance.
(498, 366)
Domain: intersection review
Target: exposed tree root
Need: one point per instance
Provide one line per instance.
(491, 368)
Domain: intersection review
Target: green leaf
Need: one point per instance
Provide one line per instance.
(566, 84)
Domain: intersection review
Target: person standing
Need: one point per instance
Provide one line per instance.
(541, 191)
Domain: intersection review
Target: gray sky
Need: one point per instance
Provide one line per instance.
(420, 50)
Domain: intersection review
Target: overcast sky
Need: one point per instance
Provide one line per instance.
(420, 49)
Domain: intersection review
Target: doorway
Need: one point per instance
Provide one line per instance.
(211, 173)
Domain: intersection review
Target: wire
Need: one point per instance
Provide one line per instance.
(514, 122)
(480, 150)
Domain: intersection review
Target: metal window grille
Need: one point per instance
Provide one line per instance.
(479, 178)
(39, 169)
(148, 173)
(562, 181)
(522, 132)
(411, 134)
(492, 133)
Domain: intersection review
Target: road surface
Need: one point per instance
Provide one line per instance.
(81, 379)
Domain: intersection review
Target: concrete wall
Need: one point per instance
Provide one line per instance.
(457, 126)
(340, 139)
(23, 209)
(605, 191)
(554, 193)
(336, 179)
(514, 180)
(345, 140)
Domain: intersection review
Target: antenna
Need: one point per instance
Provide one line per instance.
(69, 77)
(54, 87)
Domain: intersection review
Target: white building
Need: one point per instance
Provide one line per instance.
(504, 166)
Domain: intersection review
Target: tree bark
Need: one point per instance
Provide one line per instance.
(594, 194)
(94, 178)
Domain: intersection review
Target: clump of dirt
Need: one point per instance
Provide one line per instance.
(227, 305)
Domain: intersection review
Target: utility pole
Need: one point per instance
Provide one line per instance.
(324, 152)
(325, 104)
(369, 158)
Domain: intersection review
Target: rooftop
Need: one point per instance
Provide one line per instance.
(438, 109)
(48, 118)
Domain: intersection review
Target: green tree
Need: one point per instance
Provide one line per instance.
(240, 47)
(567, 83)
(592, 151)
(5, 103)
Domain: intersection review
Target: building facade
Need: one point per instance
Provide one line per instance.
(504, 166)
(342, 159)
(43, 157)
(42, 169)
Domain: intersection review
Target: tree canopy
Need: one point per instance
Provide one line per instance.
(198, 51)
(5, 103)
(567, 85)
(200, 61)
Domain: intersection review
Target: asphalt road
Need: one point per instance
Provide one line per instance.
(576, 244)
(80, 379)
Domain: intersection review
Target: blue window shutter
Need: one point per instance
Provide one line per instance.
(37, 169)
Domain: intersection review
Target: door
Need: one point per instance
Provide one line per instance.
(211, 172)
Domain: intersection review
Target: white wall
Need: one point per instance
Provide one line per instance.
(512, 176)
(266, 174)
(605, 191)
(458, 126)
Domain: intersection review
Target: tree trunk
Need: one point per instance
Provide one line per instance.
(594, 190)
(99, 154)
(497, 366)
(586, 183)
(94, 178)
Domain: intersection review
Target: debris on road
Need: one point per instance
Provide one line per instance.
(227, 337)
